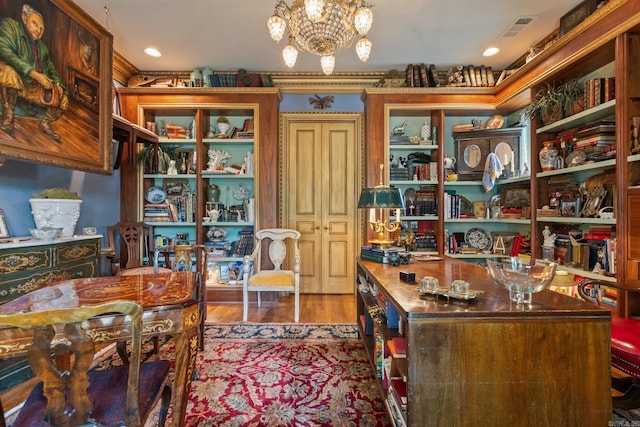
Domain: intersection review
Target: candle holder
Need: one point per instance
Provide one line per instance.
(381, 197)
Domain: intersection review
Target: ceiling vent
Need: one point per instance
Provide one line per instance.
(517, 26)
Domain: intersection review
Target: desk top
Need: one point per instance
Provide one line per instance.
(149, 290)
(493, 303)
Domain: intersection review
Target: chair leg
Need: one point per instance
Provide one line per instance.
(629, 400)
(259, 300)
(245, 304)
(622, 384)
(297, 306)
(164, 405)
(121, 348)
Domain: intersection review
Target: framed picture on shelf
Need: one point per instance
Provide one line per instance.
(515, 197)
(502, 242)
(68, 124)
(570, 207)
(576, 15)
(176, 186)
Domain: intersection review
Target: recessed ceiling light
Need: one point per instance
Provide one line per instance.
(490, 51)
(152, 52)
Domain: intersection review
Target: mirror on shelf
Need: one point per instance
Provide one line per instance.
(472, 155)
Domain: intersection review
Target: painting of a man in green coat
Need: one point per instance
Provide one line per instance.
(55, 85)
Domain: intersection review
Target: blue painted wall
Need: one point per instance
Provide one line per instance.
(19, 180)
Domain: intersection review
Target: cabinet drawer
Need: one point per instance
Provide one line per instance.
(24, 260)
(73, 253)
(11, 289)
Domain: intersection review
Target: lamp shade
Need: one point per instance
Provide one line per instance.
(381, 198)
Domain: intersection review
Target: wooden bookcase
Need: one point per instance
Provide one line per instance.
(197, 110)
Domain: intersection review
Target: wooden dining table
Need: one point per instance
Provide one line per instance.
(171, 307)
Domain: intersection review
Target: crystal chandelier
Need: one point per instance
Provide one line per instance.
(321, 27)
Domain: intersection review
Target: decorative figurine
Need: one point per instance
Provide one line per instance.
(399, 130)
(172, 170)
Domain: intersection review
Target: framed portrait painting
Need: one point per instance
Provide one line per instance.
(55, 85)
(515, 196)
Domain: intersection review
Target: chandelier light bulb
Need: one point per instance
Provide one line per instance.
(313, 9)
(290, 54)
(277, 27)
(363, 19)
(363, 49)
(328, 62)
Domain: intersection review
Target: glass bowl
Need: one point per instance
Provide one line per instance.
(45, 233)
(522, 276)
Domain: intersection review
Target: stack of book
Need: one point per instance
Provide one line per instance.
(175, 131)
(399, 140)
(426, 200)
(597, 137)
(247, 130)
(377, 254)
(157, 212)
(244, 246)
(398, 173)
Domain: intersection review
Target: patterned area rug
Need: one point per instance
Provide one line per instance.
(282, 375)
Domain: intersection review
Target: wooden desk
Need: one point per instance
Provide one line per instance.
(171, 307)
(492, 362)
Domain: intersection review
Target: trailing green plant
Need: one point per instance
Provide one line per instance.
(57, 193)
(166, 153)
(568, 93)
(550, 99)
(544, 102)
(223, 119)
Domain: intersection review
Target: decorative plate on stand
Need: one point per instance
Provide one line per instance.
(241, 192)
(478, 238)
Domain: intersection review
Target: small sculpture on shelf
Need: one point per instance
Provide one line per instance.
(548, 244)
(399, 130)
(217, 159)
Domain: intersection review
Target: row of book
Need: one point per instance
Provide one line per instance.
(178, 209)
(245, 245)
(231, 80)
(595, 248)
(598, 91)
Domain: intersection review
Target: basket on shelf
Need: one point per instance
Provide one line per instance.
(548, 212)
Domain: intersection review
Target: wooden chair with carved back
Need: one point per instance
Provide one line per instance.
(132, 248)
(78, 395)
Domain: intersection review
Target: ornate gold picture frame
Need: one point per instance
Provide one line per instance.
(67, 121)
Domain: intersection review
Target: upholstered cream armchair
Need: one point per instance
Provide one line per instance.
(276, 279)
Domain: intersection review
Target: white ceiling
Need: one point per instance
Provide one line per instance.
(227, 35)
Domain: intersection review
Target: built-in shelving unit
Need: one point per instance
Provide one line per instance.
(224, 224)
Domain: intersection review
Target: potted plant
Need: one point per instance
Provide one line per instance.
(571, 96)
(145, 157)
(546, 105)
(223, 125)
(57, 208)
(552, 103)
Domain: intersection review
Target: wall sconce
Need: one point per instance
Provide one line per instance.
(381, 197)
